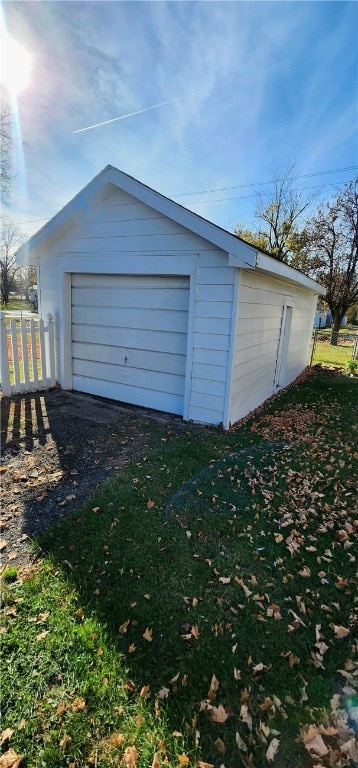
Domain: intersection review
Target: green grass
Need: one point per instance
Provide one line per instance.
(328, 355)
(230, 551)
(18, 304)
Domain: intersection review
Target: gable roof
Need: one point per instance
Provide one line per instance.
(241, 253)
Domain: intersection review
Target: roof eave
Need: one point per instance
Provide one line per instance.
(275, 268)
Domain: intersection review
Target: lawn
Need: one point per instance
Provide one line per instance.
(18, 304)
(334, 356)
(200, 610)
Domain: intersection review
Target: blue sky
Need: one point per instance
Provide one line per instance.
(261, 85)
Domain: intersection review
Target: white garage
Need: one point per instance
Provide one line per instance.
(129, 338)
(158, 307)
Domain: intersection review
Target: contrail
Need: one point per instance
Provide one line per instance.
(113, 120)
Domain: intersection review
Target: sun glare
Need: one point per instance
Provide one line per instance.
(16, 65)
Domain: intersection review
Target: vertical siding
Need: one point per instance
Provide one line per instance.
(260, 311)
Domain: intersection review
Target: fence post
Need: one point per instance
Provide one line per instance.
(4, 358)
(313, 345)
(50, 351)
(355, 348)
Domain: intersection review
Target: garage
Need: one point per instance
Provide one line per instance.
(129, 338)
(157, 307)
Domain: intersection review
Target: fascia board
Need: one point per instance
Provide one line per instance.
(275, 268)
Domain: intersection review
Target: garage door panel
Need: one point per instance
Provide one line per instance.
(171, 298)
(129, 338)
(130, 281)
(120, 374)
(132, 339)
(136, 358)
(144, 397)
(150, 319)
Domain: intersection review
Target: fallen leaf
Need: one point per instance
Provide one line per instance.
(271, 752)
(148, 635)
(117, 739)
(123, 627)
(219, 714)
(220, 746)
(132, 648)
(245, 716)
(339, 631)
(145, 692)
(316, 745)
(183, 759)
(42, 635)
(78, 705)
(129, 758)
(214, 685)
(10, 759)
(225, 579)
(240, 743)
(65, 741)
(150, 504)
(6, 735)
(156, 761)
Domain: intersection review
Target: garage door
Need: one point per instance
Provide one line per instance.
(129, 338)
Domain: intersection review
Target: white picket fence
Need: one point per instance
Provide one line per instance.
(27, 354)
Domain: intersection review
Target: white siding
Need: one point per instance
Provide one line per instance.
(211, 338)
(258, 328)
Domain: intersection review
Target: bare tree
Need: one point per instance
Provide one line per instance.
(5, 155)
(332, 247)
(11, 239)
(280, 221)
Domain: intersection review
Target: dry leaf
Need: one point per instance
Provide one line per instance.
(123, 627)
(245, 716)
(220, 746)
(340, 632)
(183, 760)
(129, 758)
(42, 635)
(274, 745)
(117, 739)
(145, 692)
(240, 743)
(150, 504)
(65, 742)
(195, 631)
(218, 714)
(148, 635)
(201, 764)
(225, 579)
(132, 648)
(156, 761)
(78, 705)
(6, 735)
(214, 685)
(316, 745)
(10, 759)
(274, 611)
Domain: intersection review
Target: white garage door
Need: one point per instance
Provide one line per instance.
(129, 338)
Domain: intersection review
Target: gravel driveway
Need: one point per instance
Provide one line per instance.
(56, 448)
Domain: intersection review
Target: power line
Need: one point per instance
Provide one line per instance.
(244, 197)
(258, 183)
(242, 186)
